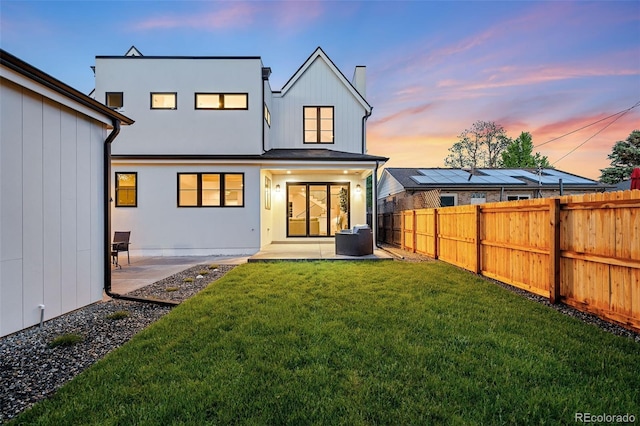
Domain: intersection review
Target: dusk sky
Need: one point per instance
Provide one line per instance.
(433, 68)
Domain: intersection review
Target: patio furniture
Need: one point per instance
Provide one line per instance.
(120, 244)
(355, 242)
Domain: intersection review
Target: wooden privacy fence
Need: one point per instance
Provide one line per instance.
(582, 250)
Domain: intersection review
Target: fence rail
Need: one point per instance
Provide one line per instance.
(581, 250)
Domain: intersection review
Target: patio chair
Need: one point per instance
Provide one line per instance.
(120, 244)
(355, 242)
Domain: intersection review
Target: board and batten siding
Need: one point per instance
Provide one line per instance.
(318, 86)
(185, 130)
(51, 217)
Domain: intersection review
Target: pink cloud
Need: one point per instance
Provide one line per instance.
(283, 15)
(404, 113)
(232, 15)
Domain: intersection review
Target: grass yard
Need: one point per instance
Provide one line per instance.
(355, 343)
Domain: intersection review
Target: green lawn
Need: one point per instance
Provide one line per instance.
(355, 343)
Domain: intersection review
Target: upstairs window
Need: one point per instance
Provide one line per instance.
(318, 124)
(114, 100)
(127, 189)
(267, 115)
(164, 100)
(210, 189)
(222, 101)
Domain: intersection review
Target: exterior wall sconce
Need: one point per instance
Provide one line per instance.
(358, 189)
(277, 188)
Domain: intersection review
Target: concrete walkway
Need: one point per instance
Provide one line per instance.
(147, 270)
(310, 251)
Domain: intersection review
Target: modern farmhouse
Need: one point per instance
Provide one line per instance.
(219, 163)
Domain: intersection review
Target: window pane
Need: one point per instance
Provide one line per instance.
(207, 100)
(211, 190)
(187, 190)
(163, 100)
(233, 190)
(310, 112)
(310, 136)
(326, 136)
(114, 99)
(326, 113)
(125, 190)
(235, 101)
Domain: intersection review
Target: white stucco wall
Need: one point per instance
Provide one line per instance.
(51, 200)
(184, 130)
(160, 228)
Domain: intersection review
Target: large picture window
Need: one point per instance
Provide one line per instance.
(318, 124)
(222, 101)
(126, 189)
(210, 189)
(164, 100)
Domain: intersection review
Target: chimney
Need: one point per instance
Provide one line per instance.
(359, 80)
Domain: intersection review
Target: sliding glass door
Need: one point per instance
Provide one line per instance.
(317, 209)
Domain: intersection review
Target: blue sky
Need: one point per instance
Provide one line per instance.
(433, 68)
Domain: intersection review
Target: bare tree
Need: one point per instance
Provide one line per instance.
(479, 146)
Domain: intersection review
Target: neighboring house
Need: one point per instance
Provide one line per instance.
(53, 229)
(415, 188)
(219, 163)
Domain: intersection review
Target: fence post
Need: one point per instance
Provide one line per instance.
(554, 250)
(402, 231)
(435, 233)
(478, 268)
(415, 229)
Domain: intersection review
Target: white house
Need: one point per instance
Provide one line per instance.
(219, 163)
(53, 169)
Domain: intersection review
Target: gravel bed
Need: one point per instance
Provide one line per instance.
(30, 370)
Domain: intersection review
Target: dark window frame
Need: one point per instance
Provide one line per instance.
(135, 189)
(267, 114)
(175, 94)
(222, 95)
(106, 99)
(318, 109)
(199, 189)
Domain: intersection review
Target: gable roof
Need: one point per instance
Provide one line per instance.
(319, 54)
(420, 179)
(21, 67)
(133, 52)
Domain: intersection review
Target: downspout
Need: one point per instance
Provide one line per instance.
(364, 133)
(107, 222)
(374, 202)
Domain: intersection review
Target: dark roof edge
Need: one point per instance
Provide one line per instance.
(175, 57)
(257, 157)
(33, 73)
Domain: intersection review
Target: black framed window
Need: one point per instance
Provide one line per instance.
(318, 124)
(114, 99)
(164, 100)
(222, 101)
(267, 115)
(210, 189)
(126, 189)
